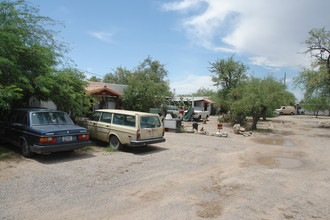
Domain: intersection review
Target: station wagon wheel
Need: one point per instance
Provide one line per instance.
(26, 151)
(115, 143)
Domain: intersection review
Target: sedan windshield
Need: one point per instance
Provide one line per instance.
(50, 118)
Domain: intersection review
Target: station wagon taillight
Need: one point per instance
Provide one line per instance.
(83, 137)
(48, 140)
(138, 135)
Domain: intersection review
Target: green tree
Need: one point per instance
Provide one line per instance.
(119, 76)
(8, 95)
(318, 45)
(94, 79)
(255, 96)
(227, 75)
(316, 80)
(316, 104)
(27, 49)
(69, 84)
(29, 57)
(147, 88)
(204, 92)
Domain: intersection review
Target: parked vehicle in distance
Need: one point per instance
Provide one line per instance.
(121, 127)
(197, 115)
(301, 111)
(43, 131)
(175, 111)
(285, 110)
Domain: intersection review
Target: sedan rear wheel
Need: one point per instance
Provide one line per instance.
(26, 151)
(115, 143)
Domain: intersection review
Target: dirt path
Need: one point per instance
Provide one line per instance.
(283, 174)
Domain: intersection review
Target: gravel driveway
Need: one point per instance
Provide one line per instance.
(282, 172)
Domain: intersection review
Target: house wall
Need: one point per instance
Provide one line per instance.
(107, 103)
(34, 102)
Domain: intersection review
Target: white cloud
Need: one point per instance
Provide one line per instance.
(181, 5)
(191, 84)
(270, 32)
(104, 36)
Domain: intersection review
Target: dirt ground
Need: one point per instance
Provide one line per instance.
(280, 172)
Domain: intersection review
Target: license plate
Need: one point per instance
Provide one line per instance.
(67, 138)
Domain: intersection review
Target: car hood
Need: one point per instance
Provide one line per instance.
(59, 129)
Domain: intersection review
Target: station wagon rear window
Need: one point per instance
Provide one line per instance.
(150, 122)
(50, 118)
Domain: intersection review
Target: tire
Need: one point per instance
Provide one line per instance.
(281, 113)
(26, 151)
(291, 113)
(115, 143)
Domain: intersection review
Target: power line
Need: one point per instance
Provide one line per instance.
(91, 73)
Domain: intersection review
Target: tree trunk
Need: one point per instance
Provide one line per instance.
(256, 118)
(263, 113)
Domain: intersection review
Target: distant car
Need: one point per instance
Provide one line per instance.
(301, 111)
(43, 131)
(121, 127)
(285, 110)
(175, 111)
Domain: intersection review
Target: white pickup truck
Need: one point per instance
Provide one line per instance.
(199, 115)
(196, 114)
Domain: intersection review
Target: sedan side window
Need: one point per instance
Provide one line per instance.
(12, 117)
(95, 116)
(106, 117)
(21, 118)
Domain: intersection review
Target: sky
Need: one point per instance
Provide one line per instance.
(187, 35)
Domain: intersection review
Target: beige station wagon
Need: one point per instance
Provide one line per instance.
(121, 127)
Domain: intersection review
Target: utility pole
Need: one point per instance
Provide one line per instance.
(284, 77)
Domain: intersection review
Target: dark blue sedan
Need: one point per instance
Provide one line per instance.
(43, 131)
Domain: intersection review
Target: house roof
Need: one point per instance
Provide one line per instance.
(190, 98)
(116, 87)
(105, 89)
(208, 101)
(102, 90)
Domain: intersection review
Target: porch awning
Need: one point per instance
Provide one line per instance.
(208, 101)
(102, 91)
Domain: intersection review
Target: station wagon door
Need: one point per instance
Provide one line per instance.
(151, 127)
(92, 124)
(104, 126)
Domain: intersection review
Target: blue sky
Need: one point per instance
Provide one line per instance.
(186, 35)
